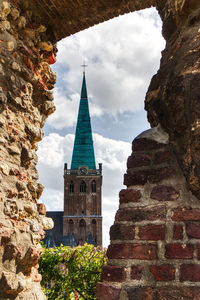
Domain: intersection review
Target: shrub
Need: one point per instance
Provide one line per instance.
(71, 271)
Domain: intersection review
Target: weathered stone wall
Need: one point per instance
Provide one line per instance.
(151, 227)
(173, 98)
(154, 252)
(25, 102)
(67, 17)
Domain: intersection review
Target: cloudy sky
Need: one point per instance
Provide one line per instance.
(122, 55)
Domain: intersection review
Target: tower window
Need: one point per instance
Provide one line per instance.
(94, 230)
(82, 232)
(83, 187)
(93, 186)
(71, 187)
(82, 223)
(71, 226)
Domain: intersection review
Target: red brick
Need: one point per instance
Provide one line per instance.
(107, 292)
(140, 293)
(129, 195)
(144, 144)
(132, 251)
(32, 256)
(5, 232)
(162, 157)
(113, 273)
(148, 175)
(41, 208)
(176, 293)
(179, 251)
(18, 174)
(190, 272)
(198, 253)
(164, 272)
(152, 232)
(178, 232)
(122, 232)
(141, 213)
(164, 193)
(136, 272)
(138, 160)
(186, 214)
(12, 193)
(163, 293)
(193, 230)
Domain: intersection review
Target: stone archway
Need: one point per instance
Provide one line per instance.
(28, 33)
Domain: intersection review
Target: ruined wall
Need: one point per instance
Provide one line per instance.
(28, 33)
(64, 18)
(154, 252)
(173, 98)
(25, 102)
(154, 241)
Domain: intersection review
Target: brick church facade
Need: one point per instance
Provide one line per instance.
(81, 220)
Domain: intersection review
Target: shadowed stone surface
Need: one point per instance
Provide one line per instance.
(173, 96)
(65, 18)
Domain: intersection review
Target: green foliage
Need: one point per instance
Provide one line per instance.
(71, 271)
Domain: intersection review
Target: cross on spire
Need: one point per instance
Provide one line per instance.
(84, 66)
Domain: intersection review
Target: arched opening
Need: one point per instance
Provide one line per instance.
(71, 226)
(82, 187)
(71, 187)
(173, 20)
(82, 232)
(94, 230)
(93, 186)
(130, 58)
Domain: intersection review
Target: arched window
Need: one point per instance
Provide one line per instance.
(82, 228)
(93, 186)
(71, 226)
(94, 230)
(82, 223)
(83, 187)
(71, 187)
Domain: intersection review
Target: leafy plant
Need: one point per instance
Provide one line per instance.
(71, 273)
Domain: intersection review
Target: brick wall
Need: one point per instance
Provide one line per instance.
(154, 251)
(155, 240)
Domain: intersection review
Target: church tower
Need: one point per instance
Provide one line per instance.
(82, 220)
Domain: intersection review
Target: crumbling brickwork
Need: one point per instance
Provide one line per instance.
(173, 96)
(154, 251)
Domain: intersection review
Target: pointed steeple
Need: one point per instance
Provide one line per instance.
(83, 152)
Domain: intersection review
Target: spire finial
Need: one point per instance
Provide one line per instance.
(84, 66)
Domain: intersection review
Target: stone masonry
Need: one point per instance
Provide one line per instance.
(154, 251)
(173, 96)
(155, 240)
(25, 102)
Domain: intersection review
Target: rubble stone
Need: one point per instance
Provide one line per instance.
(166, 156)
(25, 80)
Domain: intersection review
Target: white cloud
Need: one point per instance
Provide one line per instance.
(66, 109)
(54, 150)
(122, 55)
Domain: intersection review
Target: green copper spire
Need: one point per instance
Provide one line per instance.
(83, 152)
